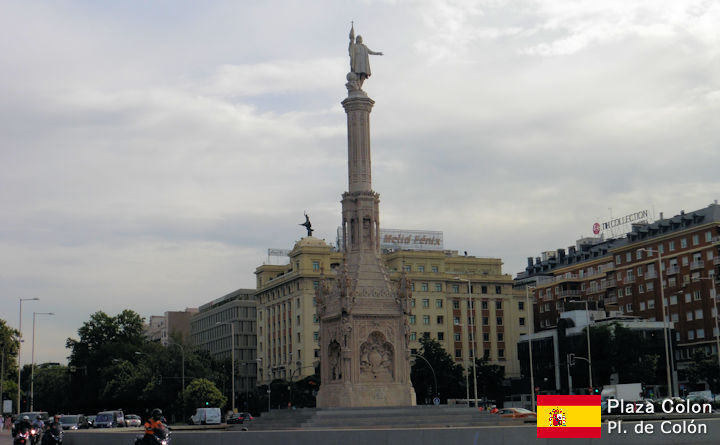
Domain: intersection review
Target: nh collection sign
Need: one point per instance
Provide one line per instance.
(627, 219)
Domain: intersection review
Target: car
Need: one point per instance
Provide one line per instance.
(133, 420)
(74, 422)
(109, 419)
(91, 421)
(516, 413)
(206, 416)
(236, 418)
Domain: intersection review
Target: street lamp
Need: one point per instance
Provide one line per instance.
(32, 361)
(531, 329)
(717, 329)
(589, 357)
(232, 358)
(665, 325)
(19, 347)
(471, 318)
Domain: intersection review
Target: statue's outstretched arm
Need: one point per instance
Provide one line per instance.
(374, 53)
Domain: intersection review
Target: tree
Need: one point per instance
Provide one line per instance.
(52, 388)
(201, 393)
(490, 380)
(449, 374)
(8, 355)
(704, 369)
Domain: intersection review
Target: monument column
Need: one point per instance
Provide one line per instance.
(364, 335)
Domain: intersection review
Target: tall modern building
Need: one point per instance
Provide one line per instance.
(161, 328)
(212, 327)
(666, 271)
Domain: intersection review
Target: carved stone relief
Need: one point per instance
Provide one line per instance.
(376, 359)
(334, 361)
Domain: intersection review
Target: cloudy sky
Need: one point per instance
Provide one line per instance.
(151, 152)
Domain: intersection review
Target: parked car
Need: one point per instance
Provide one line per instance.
(516, 413)
(238, 418)
(133, 420)
(206, 416)
(74, 422)
(110, 419)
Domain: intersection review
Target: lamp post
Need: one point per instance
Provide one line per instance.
(531, 329)
(232, 358)
(714, 301)
(665, 326)
(32, 361)
(587, 329)
(19, 347)
(471, 319)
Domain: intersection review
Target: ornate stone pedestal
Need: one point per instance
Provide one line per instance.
(364, 336)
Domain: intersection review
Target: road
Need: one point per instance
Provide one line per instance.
(5, 438)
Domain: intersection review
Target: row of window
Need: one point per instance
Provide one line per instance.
(486, 354)
(671, 245)
(471, 321)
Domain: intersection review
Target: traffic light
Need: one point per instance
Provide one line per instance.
(596, 391)
(571, 359)
(207, 403)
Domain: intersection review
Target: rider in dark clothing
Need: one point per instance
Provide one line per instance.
(22, 425)
(54, 431)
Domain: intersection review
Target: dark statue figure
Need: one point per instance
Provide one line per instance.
(307, 225)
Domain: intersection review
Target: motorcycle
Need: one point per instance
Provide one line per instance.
(161, 436)
(34, 435)
(52, 437)
(22, 437)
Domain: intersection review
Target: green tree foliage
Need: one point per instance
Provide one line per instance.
(8, 353)
(52, 388)
(704, 368)
(449, 374)
(489, 380)
(202, 392)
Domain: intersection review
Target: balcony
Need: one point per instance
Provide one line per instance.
(607, 284)
(569, 293)
(672, 270)
(651, 275)
(716, 261)
(611, 300)
(716, 240)
(567, 277)
(628, 280)
(697, 265)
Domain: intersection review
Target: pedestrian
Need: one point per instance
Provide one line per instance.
(8, 423)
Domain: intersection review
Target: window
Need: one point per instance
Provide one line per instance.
(412, 319)
(708, 236)
(434, 269)
(638, 254)
(438, 303)
(683, 243)
(628, 307)
(458, 353)
(456, 321)
(642, 305)
(698, 314)
(700, 333)
(689, 316)
(456, 288)
(486, 354)
(316, 335)
(438, 287)
(426, 302)
(498, 305)
(521, 305)
(651, 304)
(628, 291)
(316, 285)
(522, 321)
(641, 288)
(486, 336)
(424, 287)
(498, 289)
(441, 336)
(483, 289)
(421, 268)
(440, 319)
(696, 239)
(673, 299)
(498, 320)
(618, 259)
(407, 268)
(456, 336)
(628, 256)
(675, 317)
(660, 248)
(697, 296)
(486, 321)
(650, 286)
(297, 303)
(671, 245)
(412, 302)
(456, 304)
(316, 319)
(501, 353)
(316, 266)
(483, 305)
(691, 335)
(685, 261)
(413, 336)
(500, 336)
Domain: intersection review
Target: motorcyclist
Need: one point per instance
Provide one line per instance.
(154, 427)
(23, 425)
(53, 435)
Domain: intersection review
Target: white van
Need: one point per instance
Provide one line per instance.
(206, 416)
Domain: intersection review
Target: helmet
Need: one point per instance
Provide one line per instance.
(26, 418)
(157, 413)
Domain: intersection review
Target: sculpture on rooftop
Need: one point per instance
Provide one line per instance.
(307, 225)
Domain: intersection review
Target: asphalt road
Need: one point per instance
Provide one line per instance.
(5, 438)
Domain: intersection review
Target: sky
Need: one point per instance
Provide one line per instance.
(151, 152)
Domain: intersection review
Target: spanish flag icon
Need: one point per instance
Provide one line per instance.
(572, 417)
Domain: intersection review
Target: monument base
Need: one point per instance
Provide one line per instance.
(346, 395)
